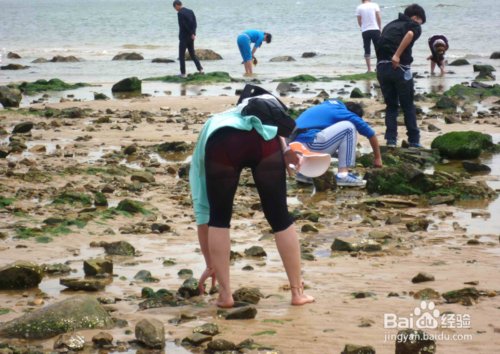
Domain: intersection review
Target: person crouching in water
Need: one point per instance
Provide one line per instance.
(333, 127)
(438, 45)
(245, 39)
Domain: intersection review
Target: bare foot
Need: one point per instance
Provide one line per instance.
(301, 298)
(224, 301)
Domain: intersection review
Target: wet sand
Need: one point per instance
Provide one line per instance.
(323, 327)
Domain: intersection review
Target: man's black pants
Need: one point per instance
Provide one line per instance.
(189, 45)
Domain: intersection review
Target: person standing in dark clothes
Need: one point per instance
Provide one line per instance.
(187, 35)
(394, 58)
(438, 45)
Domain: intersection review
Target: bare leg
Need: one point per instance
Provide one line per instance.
(248, 67)
(209, 271)
(368, 64)
(343, 169)
(220, 251)
(289, 249)
(433, 66)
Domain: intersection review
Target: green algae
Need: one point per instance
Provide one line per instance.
(44, 85)
(264, 333)
(73, 198)
(295, 113)
(5, 202)
(305, 78)
(467, 92)
(148, 293)
(132, 207)
(358, 77)
(459, 145)
(43, 239)
(207, 78)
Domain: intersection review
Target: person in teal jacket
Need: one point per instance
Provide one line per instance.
(228, 143)
(245, 39)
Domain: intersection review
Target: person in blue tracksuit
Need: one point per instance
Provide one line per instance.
(332, 127)
(245, 39)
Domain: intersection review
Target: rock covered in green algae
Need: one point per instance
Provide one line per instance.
(158, 303)
(459, 62)
(417, 225)
(403, 180)
(255, 251)
(210, 329)
(96, 266)
(100, 199)
(459, 145)
(304, 78)
(23, 128)
(73, 198)
(175, 146)
(446, 102)
(20, 275)
(251, 295)
(131, 84)
(220, 345)
(100, 96)
(427, 294)
(461, 296)
(76, 313)
(485, 72)
(356, 77)
(44, 85)
(325, 182)
(189, 288)
(243, 313)
(10, 97)
(148, 293)
(151, 332)
(422, 277)
(356, 93)
(119, 248)
(358, 349)
(207, 78)
(72, 341)
(142, 177)
(131, 206)
(83, 285)
(412, 341)
(350, 245)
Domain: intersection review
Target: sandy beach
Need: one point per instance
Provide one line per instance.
(334, 278)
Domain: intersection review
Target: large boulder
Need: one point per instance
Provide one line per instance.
(459, 62)
(23, 128)
(495, 55)
(20, 275)
(13, 56)
(459, 145)
(151, 332)
(130, 84)
(128, 56)
(14, 67)
(10, 97)
(68, 59)
(282, 59)
(205, 54)
(76, 313)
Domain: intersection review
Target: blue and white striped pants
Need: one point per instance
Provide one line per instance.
(339, 137)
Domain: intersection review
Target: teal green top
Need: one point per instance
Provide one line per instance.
(197, 179)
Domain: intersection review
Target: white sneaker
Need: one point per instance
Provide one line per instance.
(350, 181)
(303, 179)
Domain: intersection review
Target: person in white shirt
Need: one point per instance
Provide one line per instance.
(369, 20)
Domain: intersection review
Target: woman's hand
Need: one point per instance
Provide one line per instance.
(430, 57)
(294, 158)
(208, 273)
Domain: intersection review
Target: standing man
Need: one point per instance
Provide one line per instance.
(369, 20)
(187, 35)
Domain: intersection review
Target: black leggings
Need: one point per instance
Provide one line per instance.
(227, 152)
(189, 45)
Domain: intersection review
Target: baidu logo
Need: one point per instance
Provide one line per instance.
(426, 316)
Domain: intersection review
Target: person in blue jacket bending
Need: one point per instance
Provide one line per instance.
(332, 127)
(245, 39)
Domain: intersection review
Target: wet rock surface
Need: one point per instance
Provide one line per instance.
(151, 333)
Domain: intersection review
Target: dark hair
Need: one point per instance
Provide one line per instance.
(269, 37)
(177, 3)
(355, 108)
(415, 10)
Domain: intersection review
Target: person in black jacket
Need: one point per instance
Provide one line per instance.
(187, 35)
(438, 45)
(394, 58)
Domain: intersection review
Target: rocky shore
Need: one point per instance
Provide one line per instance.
(99, 247)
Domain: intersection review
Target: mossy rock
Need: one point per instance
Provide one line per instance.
(358, 349)
(459, 145)
(446, 102)
(412, 341)
(148, 293)
(100, 199)
(403, 180)
(189, 288)
(356, 93)
(459, 62)
(132, 207)
(44, 85)
(295, 113)
(207, 78)
(73, 198)
(175, 147)
(462, 91)
(358, 77)
(20, 275)
(131, 84)
(299, 78)
(119, 248)
(458, 296)
(79, 312)
(100, 96)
